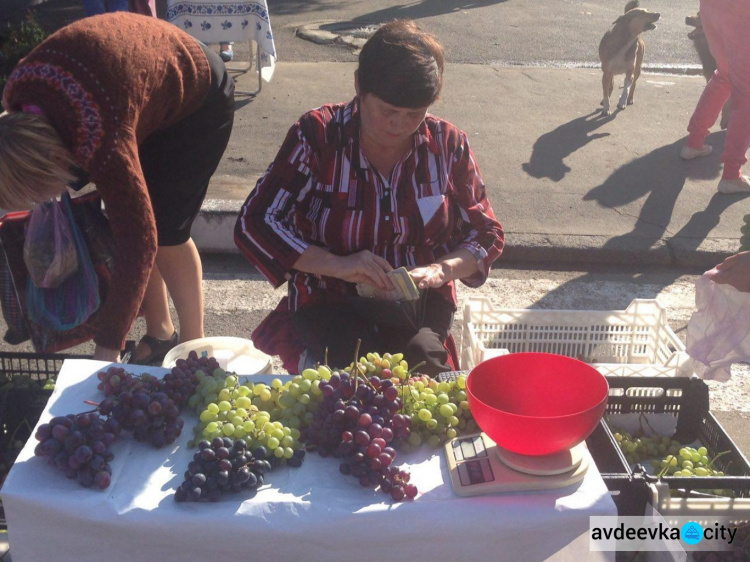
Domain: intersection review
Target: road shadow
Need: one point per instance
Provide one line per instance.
(659, 177)
(294, 7)
(550, 150)
(423, 9)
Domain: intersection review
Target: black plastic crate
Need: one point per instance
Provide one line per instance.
(627, 489)
(23, 395)
(22, 400)
(37, 366)
(688, 400)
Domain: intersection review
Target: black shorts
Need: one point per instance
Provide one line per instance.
(178, 162)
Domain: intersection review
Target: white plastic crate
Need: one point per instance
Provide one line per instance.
(634, 341)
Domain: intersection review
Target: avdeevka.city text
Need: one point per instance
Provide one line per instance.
(660, 532)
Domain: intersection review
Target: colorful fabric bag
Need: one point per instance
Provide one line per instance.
(73, 301)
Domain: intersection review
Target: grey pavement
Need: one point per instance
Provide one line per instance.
(569, 185)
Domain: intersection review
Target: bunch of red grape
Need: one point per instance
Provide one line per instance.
(147, 406)
(356, 422)
(78, 446)
(115, 380)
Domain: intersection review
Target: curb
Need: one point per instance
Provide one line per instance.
(213, 233)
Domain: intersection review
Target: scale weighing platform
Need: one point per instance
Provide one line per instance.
(478, 466)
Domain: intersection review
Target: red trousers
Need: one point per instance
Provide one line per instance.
(726, 24)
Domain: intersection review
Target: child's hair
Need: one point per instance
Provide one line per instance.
(35, 166)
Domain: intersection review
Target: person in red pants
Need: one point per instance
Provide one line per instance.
(726, 24)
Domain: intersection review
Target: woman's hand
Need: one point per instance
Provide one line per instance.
(107, 354)
(734, 271)
(459, 264)
(362, 267)
(429, 276)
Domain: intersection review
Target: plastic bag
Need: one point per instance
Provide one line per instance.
(718, 333)
(71, 303)
(49, 250)
(89, 217)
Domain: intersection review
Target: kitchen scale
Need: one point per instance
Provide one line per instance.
(478, 466)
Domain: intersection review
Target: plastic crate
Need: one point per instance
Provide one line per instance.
(687, 401)
(628, 490)
(21, 405)
(634, 341)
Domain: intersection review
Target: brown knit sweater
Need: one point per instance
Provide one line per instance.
(106, 83)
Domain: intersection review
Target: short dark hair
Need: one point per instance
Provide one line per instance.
(402, 65)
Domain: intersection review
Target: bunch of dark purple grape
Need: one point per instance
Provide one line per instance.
(182, 381)
(78, 446)
(223, 466)
(145, 405)
(153, 417)
(356, 422)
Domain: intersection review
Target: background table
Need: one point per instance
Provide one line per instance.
(220, 22)
(308, 513)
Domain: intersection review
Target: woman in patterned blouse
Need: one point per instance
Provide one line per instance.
(358, 189)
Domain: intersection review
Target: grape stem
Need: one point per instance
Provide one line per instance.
(415, 367)
(665, 468)
(357, 372)
(642, 418)
(710, 464)
(356, 363)
(94, 411)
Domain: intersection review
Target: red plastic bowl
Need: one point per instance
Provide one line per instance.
(536, 403)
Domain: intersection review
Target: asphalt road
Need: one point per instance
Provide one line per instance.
(518, 32)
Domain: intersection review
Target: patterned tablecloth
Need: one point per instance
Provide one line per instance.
(215, 22)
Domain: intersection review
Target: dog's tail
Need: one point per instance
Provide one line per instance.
(631, 5)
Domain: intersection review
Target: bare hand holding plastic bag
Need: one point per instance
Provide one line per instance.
(734, 271)
(718, 333)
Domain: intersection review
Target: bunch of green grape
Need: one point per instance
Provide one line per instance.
(668, 457)
(439, 410)
(688, 461)
(641, 448)
(385, 367)
(263, 415)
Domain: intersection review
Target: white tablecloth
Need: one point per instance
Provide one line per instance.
(217, 22)
(310, 513)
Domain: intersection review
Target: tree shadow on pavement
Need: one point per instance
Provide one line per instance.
(550, 150)
(423, 9)
(659, 176)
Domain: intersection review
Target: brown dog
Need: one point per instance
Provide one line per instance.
(698, 37)
(621, 52)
